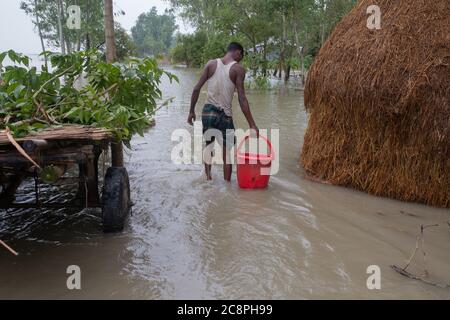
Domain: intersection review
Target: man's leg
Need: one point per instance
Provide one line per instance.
(209, 119)
(227, 166)
(227, 145)
(208, 171)
(208, 160)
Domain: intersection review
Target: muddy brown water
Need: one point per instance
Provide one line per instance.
(188, 238)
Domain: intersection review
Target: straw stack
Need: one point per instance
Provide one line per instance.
(379, 103)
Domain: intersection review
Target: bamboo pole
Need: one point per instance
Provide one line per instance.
(111, 56)
(19, 148)
(9, 248)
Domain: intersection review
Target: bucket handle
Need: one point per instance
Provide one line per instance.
(272, 153)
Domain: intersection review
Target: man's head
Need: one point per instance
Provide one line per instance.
(236, 50)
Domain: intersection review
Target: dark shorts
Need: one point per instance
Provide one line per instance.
(215, 118)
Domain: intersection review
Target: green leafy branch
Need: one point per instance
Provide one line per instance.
(80, 88)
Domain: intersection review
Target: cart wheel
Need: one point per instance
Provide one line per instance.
(115, 199)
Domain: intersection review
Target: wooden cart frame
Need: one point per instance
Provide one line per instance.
(64, 147)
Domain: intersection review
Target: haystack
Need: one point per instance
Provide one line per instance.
(379, 103)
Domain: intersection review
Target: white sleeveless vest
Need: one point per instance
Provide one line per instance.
(221, 88)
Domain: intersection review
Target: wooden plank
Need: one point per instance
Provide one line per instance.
(57, 156)
(68, 132)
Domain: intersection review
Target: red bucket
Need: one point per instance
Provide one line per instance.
(250, 165)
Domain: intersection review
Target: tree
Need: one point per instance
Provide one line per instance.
(111, 56)
(60, 28)
(289, 33)
(153, 33)
(37, 23)
(110, 42)
(125, 46)
(190, 48)
(50, 20)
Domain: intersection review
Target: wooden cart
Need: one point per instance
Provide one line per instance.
(59, 149)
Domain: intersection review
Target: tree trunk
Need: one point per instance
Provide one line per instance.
(264, 66)
(78, 40)
(282, 66)
(38, 24)
(255, 67)
(322, 23)
(322, 34)
(300, 52)
(69, 47)
(88, 41)
(60, 27)
(111, 55)
(109, 32)
(287, 73)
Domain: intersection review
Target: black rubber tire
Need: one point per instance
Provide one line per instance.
(116, 202)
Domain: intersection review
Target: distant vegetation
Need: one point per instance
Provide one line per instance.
(280, 35)
(153, 33)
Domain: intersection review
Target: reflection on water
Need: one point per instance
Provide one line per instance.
(188, 238)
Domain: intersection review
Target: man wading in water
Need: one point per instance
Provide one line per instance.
(224, 76)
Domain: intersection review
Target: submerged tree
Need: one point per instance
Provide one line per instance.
(153, 33)
(279, 34)
(125, 46)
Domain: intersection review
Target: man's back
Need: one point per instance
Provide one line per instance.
(221, 88)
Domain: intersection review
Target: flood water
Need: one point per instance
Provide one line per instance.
(188, 238)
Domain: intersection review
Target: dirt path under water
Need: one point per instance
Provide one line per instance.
(188, 238)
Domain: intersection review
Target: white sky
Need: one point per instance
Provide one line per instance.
(17, 32)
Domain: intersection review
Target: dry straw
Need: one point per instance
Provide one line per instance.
(380, 103)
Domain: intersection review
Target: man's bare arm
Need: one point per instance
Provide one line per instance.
(196, 93)
(243, 102)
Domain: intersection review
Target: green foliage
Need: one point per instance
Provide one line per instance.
(276, 33)
(51, 174)
(45, 17)
(308, 61)
(215, 47)
(125, 46)
(253, 60)
(258, 83)
(120, 96)
(189, 49)
(91, 34)
(153, 33)
(197, 49)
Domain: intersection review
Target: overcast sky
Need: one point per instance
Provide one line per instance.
(17, 32)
